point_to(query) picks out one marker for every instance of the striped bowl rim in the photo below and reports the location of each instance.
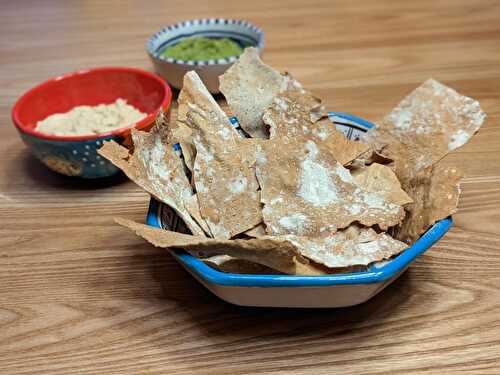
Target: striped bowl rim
(155, 53)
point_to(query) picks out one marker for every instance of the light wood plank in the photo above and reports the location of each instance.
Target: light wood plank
(80, 295)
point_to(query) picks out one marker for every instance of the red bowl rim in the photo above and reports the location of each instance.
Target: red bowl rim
(165, 104)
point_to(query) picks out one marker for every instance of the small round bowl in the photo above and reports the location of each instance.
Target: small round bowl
(77, 155)
(173, 70)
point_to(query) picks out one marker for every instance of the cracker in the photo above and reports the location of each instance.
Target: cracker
(249, 87)
(258, 231)
(271, 252)
(297, 113)
(306, 192)
(223, 176)
(226, 186)
(156, 168)
(378, 178)
(193, 208)
(434, 109)
(229, 264)
(354, 246)
(435, 192)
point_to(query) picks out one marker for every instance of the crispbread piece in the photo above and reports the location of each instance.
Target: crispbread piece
(156, 168)
(297, 113)
(249, 87)
(306, 192)
(434, 109)
(354, 246)
(435, 192)
(225, 182)
(258, 231)
(229, 264)
(275, 253)
(378, 178)
(193, 207)
(429, 123)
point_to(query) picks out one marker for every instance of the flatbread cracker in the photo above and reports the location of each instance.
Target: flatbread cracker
(380, 179)
(438, 110)
(225, 181)
(229, 264)
(435, 192)
(183, 135)
(297, 113)
(306, 192)
(226, 186)
(355, 246)
(156, 168)
(193, 207)
(426, 125)
(258, 231)
(274, 253)
(249, 87)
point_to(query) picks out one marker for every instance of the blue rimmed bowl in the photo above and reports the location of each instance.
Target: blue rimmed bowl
(173, 70)
(336, 290)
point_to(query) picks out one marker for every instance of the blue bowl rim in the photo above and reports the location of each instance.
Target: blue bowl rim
(373, 275)
(185, 24)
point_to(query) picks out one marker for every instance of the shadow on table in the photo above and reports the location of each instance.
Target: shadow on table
(230, 323)
(40, 174)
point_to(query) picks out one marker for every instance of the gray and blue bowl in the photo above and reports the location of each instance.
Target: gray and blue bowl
(173, 70)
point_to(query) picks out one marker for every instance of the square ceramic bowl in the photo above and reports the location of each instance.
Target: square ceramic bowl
(173, 70)
(338, 290)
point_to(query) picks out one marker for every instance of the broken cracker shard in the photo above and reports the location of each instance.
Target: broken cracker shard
(426, 125)
(226, 185)
(285, 254)
(250, 87)
(275, 253)
(156, 168)
(306, 192)
(297, 113)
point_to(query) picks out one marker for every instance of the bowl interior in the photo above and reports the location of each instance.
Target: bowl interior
(141, 89)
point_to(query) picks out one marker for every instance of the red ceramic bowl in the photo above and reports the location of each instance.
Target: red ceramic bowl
(145, 91)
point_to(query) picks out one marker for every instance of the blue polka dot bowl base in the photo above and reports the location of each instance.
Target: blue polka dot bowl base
(173, 70)
(72, 158)
(335, 290)
(76, 155)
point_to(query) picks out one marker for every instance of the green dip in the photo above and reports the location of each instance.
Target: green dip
(201, 48)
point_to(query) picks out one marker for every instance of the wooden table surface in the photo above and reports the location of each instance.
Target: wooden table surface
(80, 294)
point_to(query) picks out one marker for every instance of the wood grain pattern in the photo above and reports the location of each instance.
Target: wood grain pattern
(80, 295)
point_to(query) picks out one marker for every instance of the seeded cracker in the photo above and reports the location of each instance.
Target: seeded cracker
(156, 168)
(225, 182)
(249, 87)
(274, 253)
(296, 113)
(306, 192)
(354, 246)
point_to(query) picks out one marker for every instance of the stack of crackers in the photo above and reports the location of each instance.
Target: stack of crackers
(290, 193)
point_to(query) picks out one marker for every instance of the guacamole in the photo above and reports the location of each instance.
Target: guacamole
(201, 48)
